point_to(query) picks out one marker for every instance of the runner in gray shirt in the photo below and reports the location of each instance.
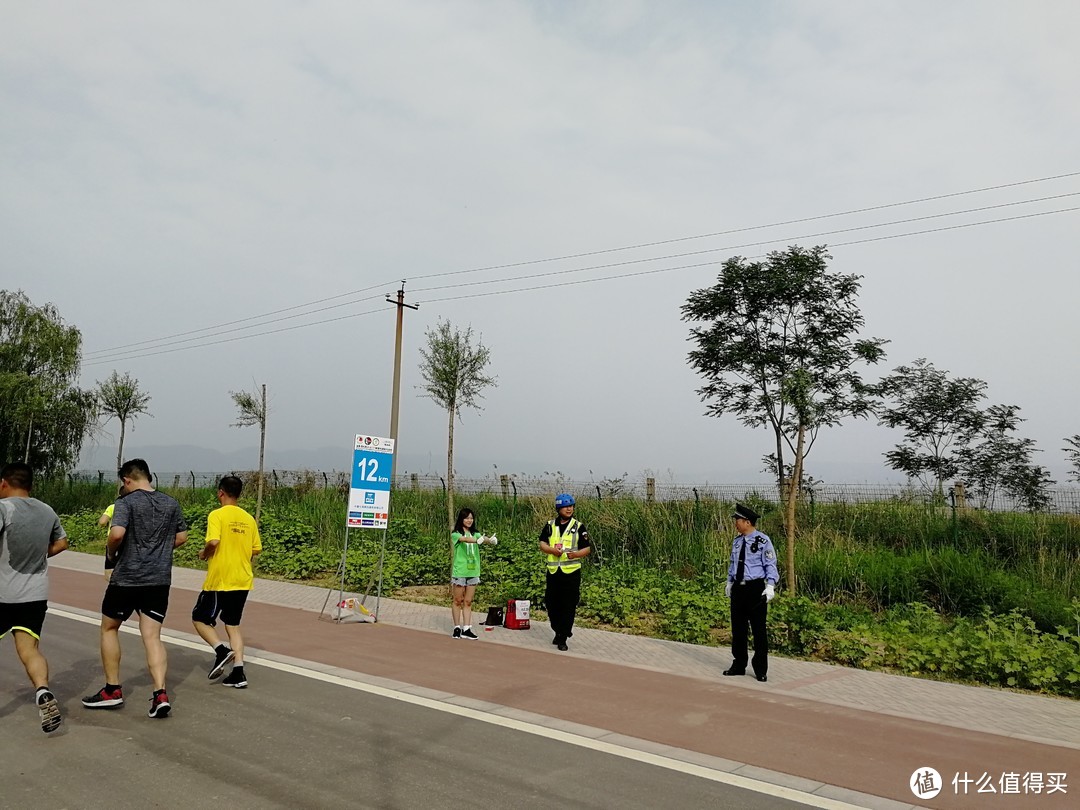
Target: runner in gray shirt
(147, 525)
(30, 532)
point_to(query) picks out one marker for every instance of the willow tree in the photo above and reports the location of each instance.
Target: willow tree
(119, 397)
(778, 348)
(453, 371)
(44, 415)
(253, 411)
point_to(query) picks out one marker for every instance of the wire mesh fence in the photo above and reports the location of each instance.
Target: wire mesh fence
(1060, 500)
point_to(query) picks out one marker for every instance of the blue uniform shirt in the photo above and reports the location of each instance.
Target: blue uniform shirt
(760, 560)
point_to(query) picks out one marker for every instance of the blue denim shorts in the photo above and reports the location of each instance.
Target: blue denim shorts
(463, 581)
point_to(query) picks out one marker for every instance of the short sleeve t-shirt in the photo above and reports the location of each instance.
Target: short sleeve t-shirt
(27, 527)
(152, 520)
(229, 569)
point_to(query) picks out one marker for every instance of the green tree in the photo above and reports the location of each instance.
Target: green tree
(939, 417)
(453, 372)
(995, 461)
(779, 350)
(119, 397)
(44, 415)
(253, 411)
(1072, 454)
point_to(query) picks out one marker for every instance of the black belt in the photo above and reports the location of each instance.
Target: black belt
(748, 581)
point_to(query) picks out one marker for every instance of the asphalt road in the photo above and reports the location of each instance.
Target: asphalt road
(293, 741)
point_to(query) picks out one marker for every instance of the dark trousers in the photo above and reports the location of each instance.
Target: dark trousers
(561, 597)
(749, 610)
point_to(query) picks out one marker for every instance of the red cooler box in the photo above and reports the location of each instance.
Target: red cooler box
(517, 614)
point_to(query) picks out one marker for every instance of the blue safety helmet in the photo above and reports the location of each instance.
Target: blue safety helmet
(563, 500)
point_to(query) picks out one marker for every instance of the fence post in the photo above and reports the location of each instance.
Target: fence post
(504, 482)
(100, 478)
(650, 489)
(192, 478)
(176, 481)
(325, 482)
(952, 502)
(513, 508)
(415, 479)
(599, 497)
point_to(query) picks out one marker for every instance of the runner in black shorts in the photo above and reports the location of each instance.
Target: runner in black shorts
(232, 541)
(147, 525)
(30, 533)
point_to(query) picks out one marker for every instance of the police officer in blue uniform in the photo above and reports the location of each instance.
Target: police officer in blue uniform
(751, 585)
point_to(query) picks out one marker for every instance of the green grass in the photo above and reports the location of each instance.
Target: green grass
(984, 597)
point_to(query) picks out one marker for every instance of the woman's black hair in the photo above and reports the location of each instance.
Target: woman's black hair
(459, 525)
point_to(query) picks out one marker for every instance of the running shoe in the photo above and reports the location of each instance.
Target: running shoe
(222, 658)
(159, 705)
(457, 632)
(236, 679)
(469, 634)
(105, 699)
(49, 710)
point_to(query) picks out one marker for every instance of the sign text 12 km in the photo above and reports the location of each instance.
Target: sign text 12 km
(369, 492)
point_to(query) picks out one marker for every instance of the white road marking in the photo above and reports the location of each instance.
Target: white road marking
(754, 785)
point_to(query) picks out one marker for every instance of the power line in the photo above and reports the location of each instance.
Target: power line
(97, 354)
(139, 354)
(105, 355)
(726, 248)
(761, 256)
(251, 318)
(751, 228)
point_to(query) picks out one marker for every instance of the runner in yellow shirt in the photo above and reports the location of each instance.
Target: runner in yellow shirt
(232, 541)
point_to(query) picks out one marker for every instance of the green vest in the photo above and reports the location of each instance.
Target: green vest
(466, 558)
(569, 538)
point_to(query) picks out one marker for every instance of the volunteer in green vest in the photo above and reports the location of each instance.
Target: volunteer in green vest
(564, 542)
(465, 574)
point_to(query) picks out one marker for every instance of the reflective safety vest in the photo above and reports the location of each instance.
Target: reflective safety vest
(569, 538)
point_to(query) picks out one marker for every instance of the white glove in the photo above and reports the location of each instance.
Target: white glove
(481, 540)
(727, 589)
(770, 591)
(493, 540)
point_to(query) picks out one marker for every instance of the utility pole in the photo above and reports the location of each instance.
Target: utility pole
(400, 303)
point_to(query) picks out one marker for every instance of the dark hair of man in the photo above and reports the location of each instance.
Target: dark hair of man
(135, 468)
(231, 485)
(463, 513)
(18, 475)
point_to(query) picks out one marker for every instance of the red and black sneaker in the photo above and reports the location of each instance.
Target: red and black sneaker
(159, 705)
(106, 698)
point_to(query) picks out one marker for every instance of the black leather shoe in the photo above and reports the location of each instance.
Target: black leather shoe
(762, 678)
(563, 647)
(557, 640)
(734, 671)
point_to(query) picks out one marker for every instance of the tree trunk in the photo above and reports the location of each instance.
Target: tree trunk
(789, 509)
(120, 447)
(29, 433)
(779, 462)
(262, 455)
(450, 469)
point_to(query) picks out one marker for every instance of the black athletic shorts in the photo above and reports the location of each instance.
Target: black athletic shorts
(25, 616)
(121, 601)
(229, 605)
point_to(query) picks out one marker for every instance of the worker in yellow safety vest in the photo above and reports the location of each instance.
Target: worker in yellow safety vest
(564, 542)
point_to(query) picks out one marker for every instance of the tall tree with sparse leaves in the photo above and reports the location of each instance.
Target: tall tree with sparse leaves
(939, 416)
(1072, 454)
(778, 348)
(253, 411)
(119, 397)
(453, 370)
(44, 415)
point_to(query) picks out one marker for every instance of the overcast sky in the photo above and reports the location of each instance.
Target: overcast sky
(173, 167)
